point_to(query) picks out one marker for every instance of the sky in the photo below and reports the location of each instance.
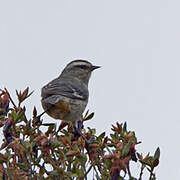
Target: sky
(137, 44)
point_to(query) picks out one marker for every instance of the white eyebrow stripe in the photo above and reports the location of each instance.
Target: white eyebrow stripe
(80, 63)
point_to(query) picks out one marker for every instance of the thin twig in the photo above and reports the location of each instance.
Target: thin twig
(151, 174)
(39, 116)
(15, 107)
(141, 173)
(129, 172)
(88, 170)
(95, 170)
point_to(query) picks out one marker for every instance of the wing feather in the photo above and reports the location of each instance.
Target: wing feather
(66, 87)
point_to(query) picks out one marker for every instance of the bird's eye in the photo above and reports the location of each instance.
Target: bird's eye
(82, 66)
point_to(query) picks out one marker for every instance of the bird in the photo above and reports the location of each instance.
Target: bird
(66, 97)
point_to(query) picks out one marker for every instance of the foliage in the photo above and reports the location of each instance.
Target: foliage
(30, 152)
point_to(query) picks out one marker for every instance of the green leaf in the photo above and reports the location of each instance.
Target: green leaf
(22, 165)
(82, 158)
(89, 117)
(92, 131)
(20, 115)
(7, 154)
(79, 172)
(106, 146)
(17, 116)
(3, 158)
(157, 153)
(27, 146)
(75, 162)
(86, 114)
(41, 171)
(126, 148)
(36, 161)
(115, 136)
(65, 132)
(14, 115)
(125, 127)
(55, 143)
(100, 137)
(54, 173)
(108, 163)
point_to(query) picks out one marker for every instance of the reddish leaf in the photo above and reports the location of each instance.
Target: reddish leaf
(34, 112)
(4, 103)
(94, 145)
(72, 153)
(109, 156)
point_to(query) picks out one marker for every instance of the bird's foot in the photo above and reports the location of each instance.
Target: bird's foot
(77, 131)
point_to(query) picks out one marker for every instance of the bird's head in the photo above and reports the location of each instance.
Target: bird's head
(80, 69)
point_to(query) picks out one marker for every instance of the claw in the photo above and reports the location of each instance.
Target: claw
(77, 131)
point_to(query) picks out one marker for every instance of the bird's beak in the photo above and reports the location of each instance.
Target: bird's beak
(94, 67)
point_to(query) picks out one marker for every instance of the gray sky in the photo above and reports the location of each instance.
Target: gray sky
(137, 44)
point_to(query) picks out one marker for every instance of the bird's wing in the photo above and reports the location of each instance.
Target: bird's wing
(65, 87)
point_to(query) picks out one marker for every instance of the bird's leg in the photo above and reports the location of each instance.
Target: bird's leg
(80, 126)
(39, 116)
(78, 132)
(77, 128)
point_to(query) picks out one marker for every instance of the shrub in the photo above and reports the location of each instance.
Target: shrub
(28, 151)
